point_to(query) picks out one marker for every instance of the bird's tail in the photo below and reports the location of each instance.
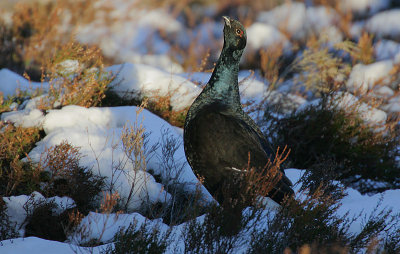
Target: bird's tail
(281, 190)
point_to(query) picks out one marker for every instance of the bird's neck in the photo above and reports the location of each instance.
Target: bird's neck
(223, 84)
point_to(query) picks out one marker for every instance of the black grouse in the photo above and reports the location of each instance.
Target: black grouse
(219, 136)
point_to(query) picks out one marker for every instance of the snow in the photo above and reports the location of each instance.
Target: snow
(150, 81)
(135, 33)
(206, 34)
(386, 49)
(251, 87)
(19, 207)
(393, 105)
(354, 203)
(34, 245)
(347, 101)
(28, 115)
(300, 21)
(69, 66)
(368, 113)
(357, 28)
(10, 82)
(24, 118)
(284, 102)
(363, 7)
(385, 24)
(104, 226)
(289, 16)
(383, 92)
(263, 36)
(364, 77)
(97, 132)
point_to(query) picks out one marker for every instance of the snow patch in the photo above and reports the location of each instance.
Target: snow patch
(393, 105)
(385, 24)
(134, 34)
(34, 245)
(263, 36)
(105, 226)
(19, 207)
(97, 132)
(24, 118)
(299, 21)
(133, 79)
(386, 49)
(363, 7)
(10, 82)
(364, 77)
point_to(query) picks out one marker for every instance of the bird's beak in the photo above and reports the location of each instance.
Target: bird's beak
(227, 21)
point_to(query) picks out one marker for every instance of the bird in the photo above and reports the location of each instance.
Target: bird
(219, 137)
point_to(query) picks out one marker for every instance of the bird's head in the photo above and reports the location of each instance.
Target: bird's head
(234, 34)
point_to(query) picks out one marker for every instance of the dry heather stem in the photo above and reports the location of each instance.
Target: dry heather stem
(262, 182)
(109, 202)
(270, 64)
(133, 140)
(253, 183)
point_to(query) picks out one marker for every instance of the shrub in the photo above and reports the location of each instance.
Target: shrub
(57, 173)
(44, 223)
(312, 220)
(17, 177)
(11, 102)
(161, 106)
(391, 243)
(335, 143)
(62, 176)
(210, 235)
(66, 178)
(320, 69)
(184, 205)
(146, 239)
(313, 223)
(76, 77)
(224, 225)
(8, 229)
(39, 45)
(37, 31)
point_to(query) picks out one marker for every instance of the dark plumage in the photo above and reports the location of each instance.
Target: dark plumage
(218, 134)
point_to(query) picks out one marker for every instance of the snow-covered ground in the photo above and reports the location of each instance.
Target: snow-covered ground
(97, 131)
(105, 226)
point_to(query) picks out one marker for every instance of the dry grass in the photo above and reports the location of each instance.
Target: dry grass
(161, 106)
(320, 70)
(39, 30)
(16, 177)
(76, 77)
(271, 63)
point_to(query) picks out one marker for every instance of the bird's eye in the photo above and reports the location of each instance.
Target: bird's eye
(238, 31)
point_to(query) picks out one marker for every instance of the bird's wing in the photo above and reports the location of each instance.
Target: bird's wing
(220, 142)
(224, 141)
(264, 143)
